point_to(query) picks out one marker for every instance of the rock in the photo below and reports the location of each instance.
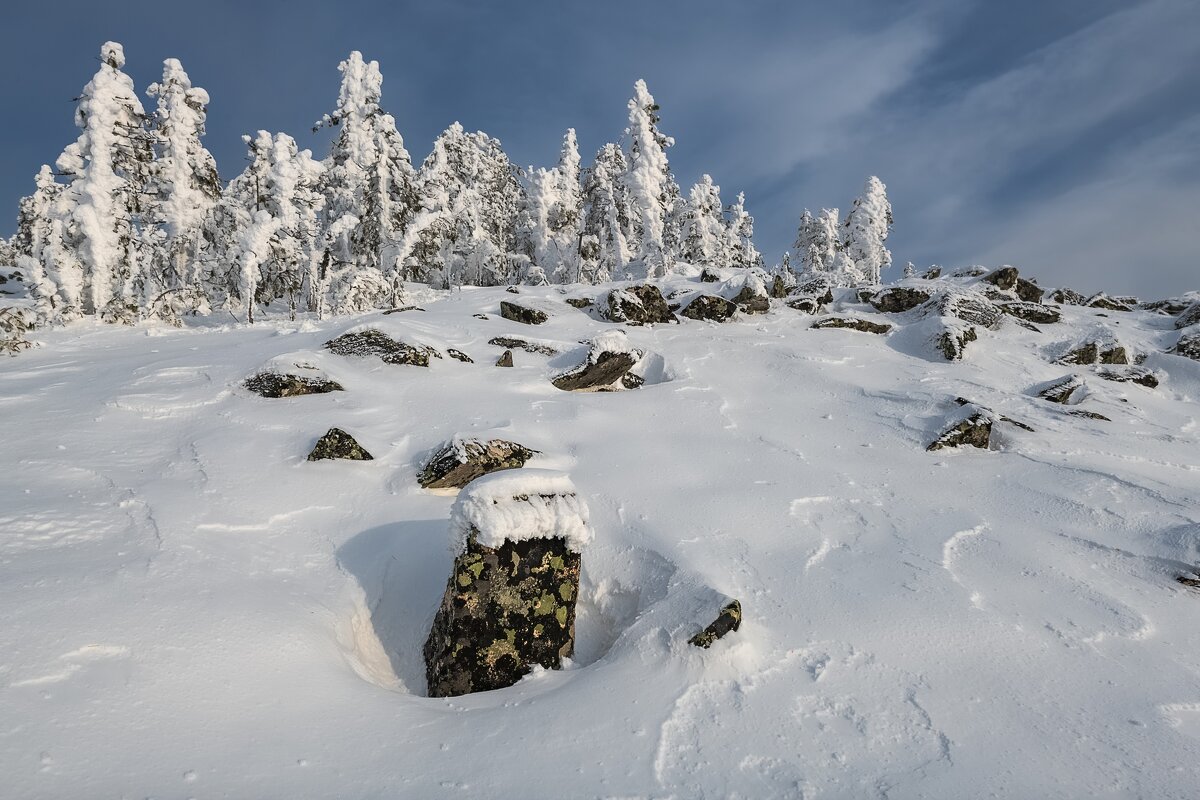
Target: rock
(372, 342)
(461, 461)
(1189, 581)
(1107, 303)
(1029, 291)
(815, 286)
(513, 290)
(1068, 297)
(708, 275)
(1095, 352)
(1189, 317)
(933, 273)
(728, 621)
(749, 301)
(401, 309)
(509, 604)
(1032, 312)
(974, 431)
(459, 355)
(480, 316)
(522, 314)
(638, 305)
(968, 306)
(1138, 375)
(274, 384)
(1172, 306)
(607, 367)
(898, 299)
(1067, 390)
(806, 305)
(710, 307)
(782, 285)
(1004, 278)
(336, 443)
(505, 359)
(513, 342)
(752, 294)
(1188, 345)
(973, 271)
(853, 323)
(580, 302)
(1079, 412)
(952, 342)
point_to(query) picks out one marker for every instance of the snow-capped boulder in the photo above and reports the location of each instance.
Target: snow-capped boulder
(710, 307)
(522, 314)
(509, 604)
(1067, 390)
(1067, 297)
(580, 302)
(278, 384)
(1103, 301)
(1095, 352)
(1031, 312)
(460, 461)
(898, 299)
(372, 342)
(727, 621)
(853, 324)
(967, 305)
(1004, 278)
(749, 291)
(336, 443)
(952, 339)
(1188, 344)
(1190, 317)
(14, 323)
(519, 343)
(638, 305)
(459, 355)
(1139, 375)
(505, 359)
(971, 426)
(608, 368)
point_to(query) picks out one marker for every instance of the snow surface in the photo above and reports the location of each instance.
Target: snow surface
(191, 609)
(514, 505)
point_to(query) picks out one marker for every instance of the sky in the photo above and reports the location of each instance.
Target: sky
(1060, 136)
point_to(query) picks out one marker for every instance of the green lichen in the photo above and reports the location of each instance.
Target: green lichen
(545, 605)
(560, 614)
(566, 591)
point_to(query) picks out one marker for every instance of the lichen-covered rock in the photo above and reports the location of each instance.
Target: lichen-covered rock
(1004, 278)
(513, 342)
(1101, 300)
(522, 314)
(373, 342)
(933, 273)
(1079, 412)
(898, 299)
(805, 305)
(1067, 390)
(728, 621)
(275, 384)
(1068, 297)
(509, 604)
(709, 275)
(1032, 312)
(1095, 352)
(459, 355)
(973, 431)
(638, 305)
(952, 342)
(710, 307)
(854, 324)
(402, 309)
(1138, 375)
(461, 461)
(750, 300)
(1188, 345)
(336, 443)
(1189, 317)
(782, 284)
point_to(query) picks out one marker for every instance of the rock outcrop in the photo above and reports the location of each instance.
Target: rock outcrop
(1095, 352)
(461, 461)
(509, 604)
(608, 367)
(972, 427)
(898, 299)
(459, 355)
(1107, 303)
(727, 621)
(336, 443)
(638, 305)
(710, 307)
(1189, 317)
(505, 359)
(1067, 390)
(276, 384)
(373, 342)
(1188, 345)
(1067, 297)
(853, 324)
(522, 314)
(515, 343)
(1032, 312)
(1138, 375)
(952, 341)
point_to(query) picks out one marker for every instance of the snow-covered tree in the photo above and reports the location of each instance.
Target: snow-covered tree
(652, 191)
(604, 248)
(550, 223)
(370, 195)
(469, 195)
(910, 270)
(182, 190)
(866, 229)
(52, 273)
(817, 241)
(102, 206)
(740, 233)
(705, 235)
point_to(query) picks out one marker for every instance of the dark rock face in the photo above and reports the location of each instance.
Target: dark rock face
(805, 305)
(1189, 317)
(1029, 291)
(933, 273)
(273, 384)
(751, 302)
(1032, 312)
(504, 611)
(339, 444)
(402, 309)
(1004, 278)
(505, 359)
(378, 343)
(1079, 412)
(580, 302)
(522, 314)
(728, 621)
(970, 307)
(899, 299)
(638, 305)
(953, 343)
(459, 355)
(974, 431)
(710, 307)
(1068, 297)
(1138, 375)
(781, 286)
(854, 324)
(459, 463)
(1064, 391)
(707, 275)
(1096, 353)
(1107, 303)
(1188, 345)
(609, 373)
(512, 342)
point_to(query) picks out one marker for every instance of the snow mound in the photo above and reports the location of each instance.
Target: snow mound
(515, 505)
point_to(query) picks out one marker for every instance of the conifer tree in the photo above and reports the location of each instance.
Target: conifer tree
(866, 229)
(817, 241)
(740, 234)
(705, 239)
(653, 193)
(38, 250)
(604, 248)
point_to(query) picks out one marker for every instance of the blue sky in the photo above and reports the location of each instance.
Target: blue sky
(1062, 136)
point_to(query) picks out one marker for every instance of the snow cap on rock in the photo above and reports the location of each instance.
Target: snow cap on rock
(514, 505)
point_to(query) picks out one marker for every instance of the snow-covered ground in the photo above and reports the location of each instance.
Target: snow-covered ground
(191, 609)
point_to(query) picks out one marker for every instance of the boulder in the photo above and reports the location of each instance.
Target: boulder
(1029, 291)
(782, 284)
(727, 621)
(1067, 390)
(522, 314)
(459, 355)
(514, 342)
(638, 305)
(1188, 345)
(953, 340)
(853, 323)
(1138, 375)
(1068, 297)
(275, 384)
(750, 291)
(709, 275)
(933, 273)
(509, 604)
(1079, 412)
(750, 301)
(898, 299)
(505, 359)
(972, 427)
(1095, 352)
(1190, 317)
(373, 342)
(969, 306)
(710, 307)
(336, 443)
(817, 287)
(607, 368)
(1101, 300)
(805, 305)
(461, 461)
(402, 309)
(580, 302)
(1031, 312)
(1004, 278)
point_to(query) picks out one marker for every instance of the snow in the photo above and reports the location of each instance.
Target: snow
(515, 505)
(193, 610)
